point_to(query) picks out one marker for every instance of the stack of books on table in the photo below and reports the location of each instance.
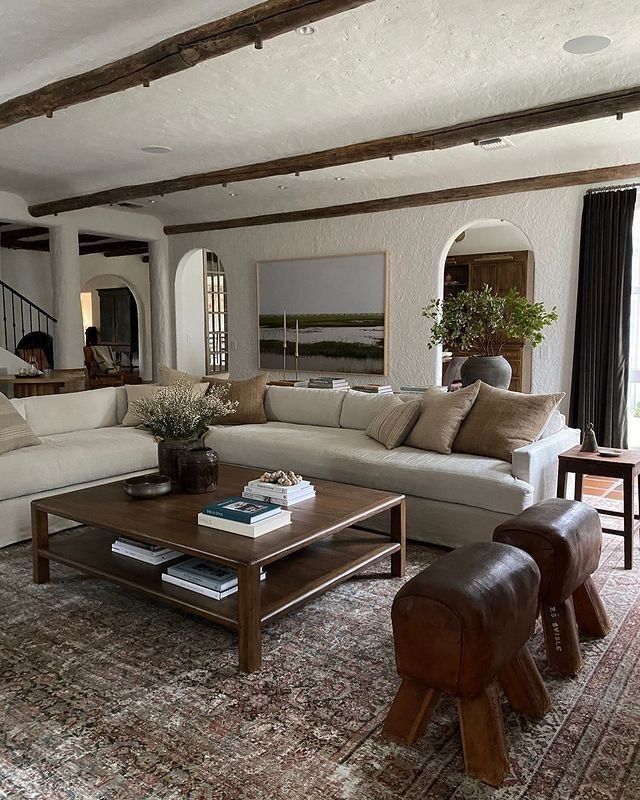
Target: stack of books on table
(284, 496)
(150, 553)
(328, 383)
(245, 516)
(414, 389)
(373, 388)
(204, 578)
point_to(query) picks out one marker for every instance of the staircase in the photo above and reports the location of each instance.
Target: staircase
(24, 326)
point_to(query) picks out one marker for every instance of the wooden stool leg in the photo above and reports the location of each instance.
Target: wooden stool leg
(482, 729)
(591, 614)
(561, 637)
(523, 685)
(410, 711)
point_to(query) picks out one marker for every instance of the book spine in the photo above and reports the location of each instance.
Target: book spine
(127, 548)
(201, 580)
(154, 560)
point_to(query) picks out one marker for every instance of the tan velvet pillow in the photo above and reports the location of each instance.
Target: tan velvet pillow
(393, 422)
(502, 421)
(250, 396)
(441, 417)
(168, 375)
(14, 431)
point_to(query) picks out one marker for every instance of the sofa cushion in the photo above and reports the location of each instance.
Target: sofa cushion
(359, 408)
(393, 422)
(250, 396)
(75, 411)
(350, 456)
(65, 459)
(502, 421)
(304, 406)
(441, 417)
(168, 375)
(14, 431)
(136, 392)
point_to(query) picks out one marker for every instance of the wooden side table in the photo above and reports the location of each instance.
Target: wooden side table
(625, 467)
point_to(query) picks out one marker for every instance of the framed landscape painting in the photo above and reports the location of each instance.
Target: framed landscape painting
(335, 310)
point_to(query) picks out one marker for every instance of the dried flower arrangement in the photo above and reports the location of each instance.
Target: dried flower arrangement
(179, 412)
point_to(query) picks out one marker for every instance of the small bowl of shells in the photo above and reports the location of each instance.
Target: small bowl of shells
(281, 477)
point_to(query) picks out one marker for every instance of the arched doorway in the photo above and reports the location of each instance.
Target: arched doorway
(494, 253)
(112, 304)
(202, 314)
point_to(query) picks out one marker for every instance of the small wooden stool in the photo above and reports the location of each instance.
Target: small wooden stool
(564, 537)
(461, 627)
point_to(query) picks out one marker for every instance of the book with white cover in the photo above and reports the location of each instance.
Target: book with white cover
(285, 502)
(194, 587)
(148, 558)
(279, 520)
(276, 489)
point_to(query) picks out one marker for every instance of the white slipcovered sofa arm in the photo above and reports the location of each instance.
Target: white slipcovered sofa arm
(537, 463)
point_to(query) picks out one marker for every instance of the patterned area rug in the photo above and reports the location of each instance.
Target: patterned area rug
(105, 695)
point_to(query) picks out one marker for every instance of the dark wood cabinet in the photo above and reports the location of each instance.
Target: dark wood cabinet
(119, 323)
(501, 272)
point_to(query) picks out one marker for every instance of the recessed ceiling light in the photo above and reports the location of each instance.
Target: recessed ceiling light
(339, 178)
(233, 194)
(155, 148)
(282, 187)
(583, 45)
(305, 30)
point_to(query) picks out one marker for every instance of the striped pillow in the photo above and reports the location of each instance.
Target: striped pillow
(14, 431)
(391, 425)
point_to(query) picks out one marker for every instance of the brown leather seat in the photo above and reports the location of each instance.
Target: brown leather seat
(459, 627)
(565, 539)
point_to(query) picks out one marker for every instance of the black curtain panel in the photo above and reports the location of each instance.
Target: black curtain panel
(601, 347)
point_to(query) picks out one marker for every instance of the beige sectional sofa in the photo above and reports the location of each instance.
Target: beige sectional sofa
(451, 499)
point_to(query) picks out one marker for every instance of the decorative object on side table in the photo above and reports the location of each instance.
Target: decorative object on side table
(179, 415)
(481, 323)
(589, 441)
(198, 470)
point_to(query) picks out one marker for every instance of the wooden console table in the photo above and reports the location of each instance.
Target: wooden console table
(32, 387)
(625, 467)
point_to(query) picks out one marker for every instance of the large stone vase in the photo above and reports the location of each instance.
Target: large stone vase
(494, 370)
(169, 451)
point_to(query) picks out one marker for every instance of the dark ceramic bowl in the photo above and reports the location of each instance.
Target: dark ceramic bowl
(144, 486)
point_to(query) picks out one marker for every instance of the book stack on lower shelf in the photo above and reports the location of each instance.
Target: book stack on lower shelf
(244, 516)
(204, 577)
(141, 551)
(283, 496)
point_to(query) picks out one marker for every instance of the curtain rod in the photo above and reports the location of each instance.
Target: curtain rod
(622, 187)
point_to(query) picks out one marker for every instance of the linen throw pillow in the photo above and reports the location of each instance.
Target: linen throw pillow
(14, 431)
(168, 376)
(502, 421)
(393, 422)
(250, 396)
(440, 419)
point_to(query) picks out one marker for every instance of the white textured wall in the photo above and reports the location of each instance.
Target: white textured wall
(494, 239)
(29, 273)
(417, 241)
(191, 355)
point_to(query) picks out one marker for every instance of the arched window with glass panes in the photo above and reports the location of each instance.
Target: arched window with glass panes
(216, 314)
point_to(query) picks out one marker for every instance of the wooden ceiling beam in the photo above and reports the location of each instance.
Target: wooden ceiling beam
(113, 245)
(251, 26)
(23, 233)
(18, 244)
(458, 193)
(127, 252)
(541, 117)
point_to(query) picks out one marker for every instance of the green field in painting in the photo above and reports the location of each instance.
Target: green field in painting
(328, 349)
(323, 320)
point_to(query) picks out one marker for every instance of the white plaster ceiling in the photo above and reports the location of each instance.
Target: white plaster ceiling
(387, 68)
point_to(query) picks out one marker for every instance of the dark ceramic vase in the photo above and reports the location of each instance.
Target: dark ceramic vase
(198, 469)
(169, 451)
(494, 370)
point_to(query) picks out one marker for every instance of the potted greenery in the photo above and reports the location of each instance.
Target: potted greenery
(480, 323)
(179, 415)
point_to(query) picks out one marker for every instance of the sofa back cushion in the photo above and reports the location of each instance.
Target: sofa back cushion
(359, 409)
(75, 411)
(304, 406)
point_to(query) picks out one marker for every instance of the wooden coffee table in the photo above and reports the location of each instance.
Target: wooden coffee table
(317, 551)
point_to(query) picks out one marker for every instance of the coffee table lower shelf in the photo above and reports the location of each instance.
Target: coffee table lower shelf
(290, 581)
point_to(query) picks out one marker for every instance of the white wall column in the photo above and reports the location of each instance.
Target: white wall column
(65, 268)
(160, 283)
